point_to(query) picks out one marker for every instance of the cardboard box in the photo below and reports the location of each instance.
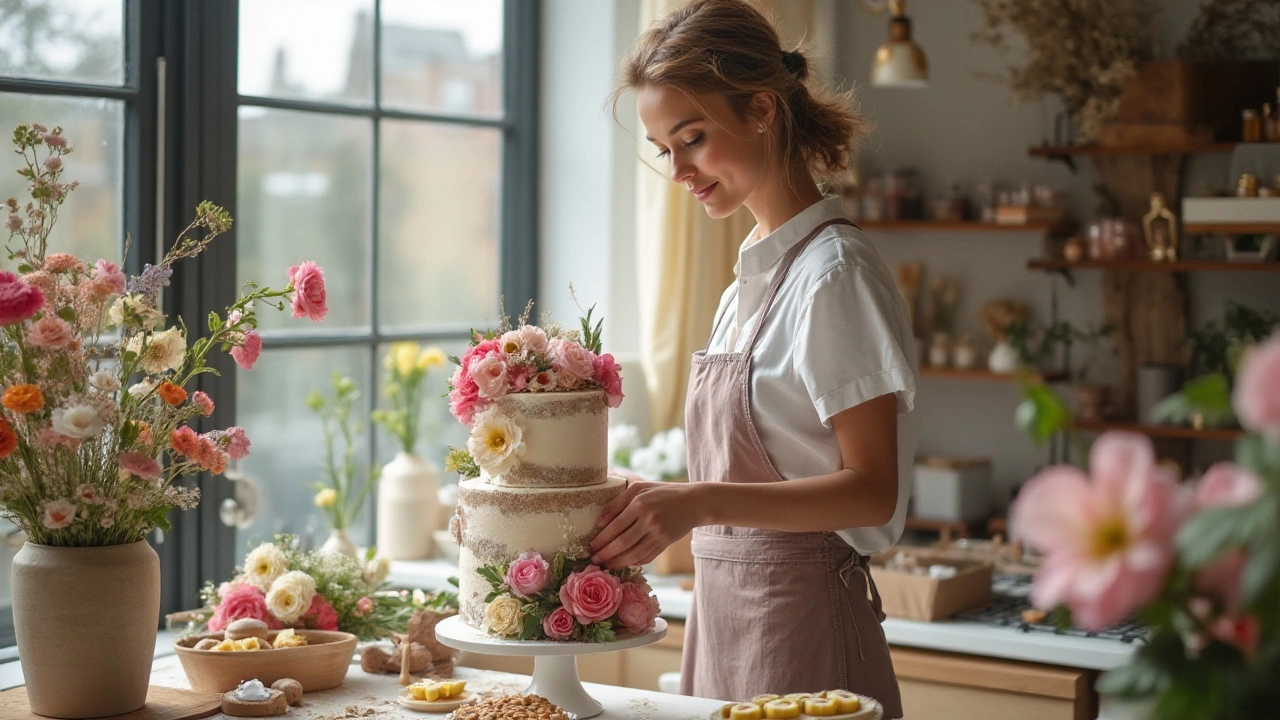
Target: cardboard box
(920, 597)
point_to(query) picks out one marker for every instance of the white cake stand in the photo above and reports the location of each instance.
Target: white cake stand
(555, 664)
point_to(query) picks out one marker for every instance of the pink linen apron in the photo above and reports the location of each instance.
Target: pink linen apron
(773, 612)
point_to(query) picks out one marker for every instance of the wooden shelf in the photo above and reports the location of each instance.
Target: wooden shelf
(1151, 266)
(1230, 228)
(987, 375)
(1052, 151)
(962, 226)
(1163, 431)
(945, 529)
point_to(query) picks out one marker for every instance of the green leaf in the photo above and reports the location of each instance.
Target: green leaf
(1260, 456)
(25, 268)
(557, 568)
(1147, 674)
(67, 313)
(1210, 533)
(1042, 413)
(531, 628)
(494, 595)
(1261, 570)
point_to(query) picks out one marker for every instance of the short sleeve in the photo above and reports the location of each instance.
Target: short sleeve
(853, 342)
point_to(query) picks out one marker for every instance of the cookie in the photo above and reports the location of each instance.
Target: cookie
(246, 628)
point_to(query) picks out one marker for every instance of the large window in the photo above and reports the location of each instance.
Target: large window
(392, 141)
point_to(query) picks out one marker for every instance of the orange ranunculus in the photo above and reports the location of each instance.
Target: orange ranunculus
(23, 398)
(185, 442)
(144, 431)
(171, 393)
(8, 439)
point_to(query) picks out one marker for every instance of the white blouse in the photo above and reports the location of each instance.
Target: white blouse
(837, 336)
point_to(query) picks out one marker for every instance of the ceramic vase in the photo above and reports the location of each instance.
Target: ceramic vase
(1003, 358)
(407, 508)
(86, 621)
(339, 543)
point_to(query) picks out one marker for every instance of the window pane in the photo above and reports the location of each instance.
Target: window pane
(301, 49)
(303, 193)
(90, 223)
(66, 40)
(440, 430)
(286, 459)
(439, 225)
(443, 56)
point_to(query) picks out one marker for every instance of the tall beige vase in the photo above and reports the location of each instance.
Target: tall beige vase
(86, 622)
(407, 503)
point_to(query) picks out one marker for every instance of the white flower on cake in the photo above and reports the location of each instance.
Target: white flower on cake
(503, 616)
(496, 442)
(264, 565)
(164, 350)
(290, 595)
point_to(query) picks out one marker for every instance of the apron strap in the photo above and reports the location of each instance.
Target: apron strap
(859, 563)
(780, 275)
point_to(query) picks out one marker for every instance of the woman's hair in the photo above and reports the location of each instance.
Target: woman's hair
(728, 47)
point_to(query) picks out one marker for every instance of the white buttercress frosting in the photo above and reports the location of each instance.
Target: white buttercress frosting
(252, 691)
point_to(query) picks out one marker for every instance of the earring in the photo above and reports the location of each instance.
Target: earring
(760, 128)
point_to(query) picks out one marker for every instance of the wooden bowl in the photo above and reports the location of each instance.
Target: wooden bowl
(320, 665)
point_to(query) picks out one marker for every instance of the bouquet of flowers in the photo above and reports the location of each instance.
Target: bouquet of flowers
(94, 383)
(339, 498)
(525, 358)
(566, 600)
(664, 458)
(318, 591)
(406, 366)
(1201, 567)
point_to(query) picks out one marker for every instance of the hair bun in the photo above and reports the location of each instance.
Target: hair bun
(795, 63)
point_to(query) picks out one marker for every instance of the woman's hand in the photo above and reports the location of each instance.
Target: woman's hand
(643, 521)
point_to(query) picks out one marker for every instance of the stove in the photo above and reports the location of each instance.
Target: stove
(1009, 598)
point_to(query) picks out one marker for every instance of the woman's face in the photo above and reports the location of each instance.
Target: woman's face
(709, 151)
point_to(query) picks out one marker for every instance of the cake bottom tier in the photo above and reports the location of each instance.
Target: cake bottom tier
(494, 525)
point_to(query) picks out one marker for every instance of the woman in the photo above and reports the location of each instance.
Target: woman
(797, 415)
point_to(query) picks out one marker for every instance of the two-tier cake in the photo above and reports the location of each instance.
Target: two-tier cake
(537, 404)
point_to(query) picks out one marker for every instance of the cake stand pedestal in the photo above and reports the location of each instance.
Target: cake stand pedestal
(555, 664)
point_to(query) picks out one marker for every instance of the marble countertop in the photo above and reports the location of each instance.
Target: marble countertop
(948, 636)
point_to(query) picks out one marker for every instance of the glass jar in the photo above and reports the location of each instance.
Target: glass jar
(1248, 185)
(873, 201)
(1250, 125)
(1099, 249)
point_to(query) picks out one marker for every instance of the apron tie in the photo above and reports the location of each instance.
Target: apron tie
(858, 563)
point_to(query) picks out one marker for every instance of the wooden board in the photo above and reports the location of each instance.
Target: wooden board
(162, 704)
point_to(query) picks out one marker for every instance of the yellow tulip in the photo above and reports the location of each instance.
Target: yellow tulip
(326, 498)
(402, 357)
(432, 357)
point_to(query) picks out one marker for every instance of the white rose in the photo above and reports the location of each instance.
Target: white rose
(264, 565)
(151, 318)
(105, 381)
(142, 388)
(376, 570)
(622, 438)
(647, 463)
(496, 442)
(164, 350)
(78, 421)
(290, 596)
(503, 616)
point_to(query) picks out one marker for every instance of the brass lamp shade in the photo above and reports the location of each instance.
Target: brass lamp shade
(900, 62)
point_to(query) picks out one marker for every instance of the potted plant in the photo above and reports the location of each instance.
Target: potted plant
(407, 503)
(339, 496)
(96, 429)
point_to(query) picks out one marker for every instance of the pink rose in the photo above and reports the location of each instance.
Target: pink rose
(591, 595)
(1107, 536)
(480, 350)
(490, 376)
(1243, 631)
(566, 380)
(18, 301)
(638, 608)
(1227, 485)
(308, 291)
(572, 358)
(518, 377)
(111, 276)
(558, 625)
(202, 400)
(608, 374)
(247, 353)
(50, 333)
(533, 338)
(321, 615)
(1257, 393)
(140, 464)
(528, 575)
(464, 398)
(237, 443)
(239, 601)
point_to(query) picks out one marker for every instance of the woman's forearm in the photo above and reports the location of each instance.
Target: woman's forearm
(840, 500)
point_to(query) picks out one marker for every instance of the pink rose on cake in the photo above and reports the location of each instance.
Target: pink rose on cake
(528, 575)
(490, 376)
(559, 624)
(638, 609)
(608, 374)
(591, 595)
(529, 339)
(572, 362)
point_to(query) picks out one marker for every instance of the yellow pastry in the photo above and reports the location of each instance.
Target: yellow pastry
(227, 646)
(453, 688)
(288, 638)
(798, 697)
(762, 699)
(784, 709)
(724, 711)
(745, 711)
(427, 692)
(846, 702)
(821, 707)
(249, 643)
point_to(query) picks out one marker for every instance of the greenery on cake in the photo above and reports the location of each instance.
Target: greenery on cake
(569, 600)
